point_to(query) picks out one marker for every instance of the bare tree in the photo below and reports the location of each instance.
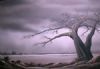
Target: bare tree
(74, 23)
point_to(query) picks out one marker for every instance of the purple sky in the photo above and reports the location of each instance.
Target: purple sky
(22, 17)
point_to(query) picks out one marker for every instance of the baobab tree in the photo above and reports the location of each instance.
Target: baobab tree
(73, 23)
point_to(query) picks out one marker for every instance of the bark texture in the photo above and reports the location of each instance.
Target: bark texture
(83, 49)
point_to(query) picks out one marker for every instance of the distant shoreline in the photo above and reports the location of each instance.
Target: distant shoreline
(42, 53)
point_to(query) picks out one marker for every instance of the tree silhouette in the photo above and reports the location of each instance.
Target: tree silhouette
(73, 23)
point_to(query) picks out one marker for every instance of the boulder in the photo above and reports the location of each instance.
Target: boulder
(95, 60)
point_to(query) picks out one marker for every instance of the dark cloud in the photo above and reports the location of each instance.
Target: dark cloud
(15, 27)
(95, 2)
(11, 16)
(11, 2)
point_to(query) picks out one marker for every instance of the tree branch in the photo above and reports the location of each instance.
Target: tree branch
(79, 23)
(50, 29)
(86, 30)
(51, 39)
(88, 42)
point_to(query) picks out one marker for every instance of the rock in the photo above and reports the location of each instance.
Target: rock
(83, 66)
(36, 68)
(95, 66)
(17, 66)
(95, 60)
(58, 65)
(88, 66)
(8, 65)
(4, 65)
(49, 65)
(80, 62)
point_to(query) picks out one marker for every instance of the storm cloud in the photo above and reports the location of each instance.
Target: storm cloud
(21, 17)
(11, 2)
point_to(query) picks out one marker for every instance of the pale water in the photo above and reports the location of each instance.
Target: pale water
(44, 58)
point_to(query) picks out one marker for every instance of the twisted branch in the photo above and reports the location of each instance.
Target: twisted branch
(47, 30)
(51, 39)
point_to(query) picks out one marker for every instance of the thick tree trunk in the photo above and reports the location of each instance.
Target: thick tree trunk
(81, 50)
(88, 42)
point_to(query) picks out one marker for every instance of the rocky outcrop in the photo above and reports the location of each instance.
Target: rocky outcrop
(8, 65)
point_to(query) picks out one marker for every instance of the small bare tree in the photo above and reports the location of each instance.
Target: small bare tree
(74, 23)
